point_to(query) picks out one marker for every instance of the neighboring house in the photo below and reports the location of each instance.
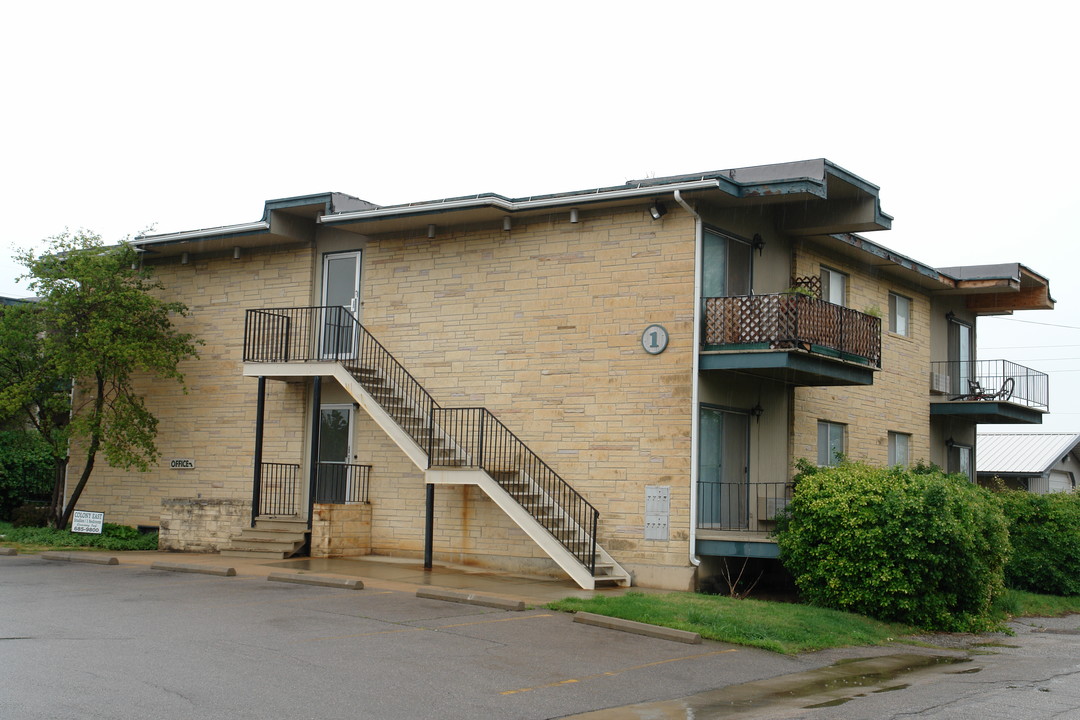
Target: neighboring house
(636, 366)
(1037, 462)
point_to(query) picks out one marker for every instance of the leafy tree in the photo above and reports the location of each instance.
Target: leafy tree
(98, 322)
(1045, 535)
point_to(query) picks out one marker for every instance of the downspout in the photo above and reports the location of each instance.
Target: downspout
(694, 414)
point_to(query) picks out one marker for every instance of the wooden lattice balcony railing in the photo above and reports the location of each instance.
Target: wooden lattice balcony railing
(791, 321)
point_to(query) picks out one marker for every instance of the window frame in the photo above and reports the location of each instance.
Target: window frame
(894, 445)
(894, 314)
(827, 274)
(831, 454)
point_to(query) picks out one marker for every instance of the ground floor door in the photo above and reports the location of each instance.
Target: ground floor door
(335, 454)
(723, 470)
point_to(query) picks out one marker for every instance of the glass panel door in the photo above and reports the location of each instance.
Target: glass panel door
(961, 358)
(723, 470)
(335, 451)
(341, 298)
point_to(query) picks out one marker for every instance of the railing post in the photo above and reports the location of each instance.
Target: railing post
(256, 484)
(480, 451)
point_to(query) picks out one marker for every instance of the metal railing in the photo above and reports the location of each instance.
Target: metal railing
(342, 483)
(741, 505)
(452, 437)
(279, 489)
(792, 321)
(1001, 380)
(478, 439)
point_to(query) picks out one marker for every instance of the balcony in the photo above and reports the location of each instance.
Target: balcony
(989, 391)
(792, 338)
(737, 519)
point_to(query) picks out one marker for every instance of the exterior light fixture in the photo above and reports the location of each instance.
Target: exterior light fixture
(506, 223)
(430, 231)
(184, 259)
(236, 253)
(573, 215)
(757, 411)
(658, 210)
(759, 243)
(950, 316)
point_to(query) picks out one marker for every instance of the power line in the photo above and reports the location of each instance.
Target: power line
(1023, 347)
(1033, 322)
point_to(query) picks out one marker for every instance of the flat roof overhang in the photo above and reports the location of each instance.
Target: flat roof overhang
(988, 412)
(794, 367)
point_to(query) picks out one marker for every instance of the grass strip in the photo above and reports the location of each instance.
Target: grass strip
(113, 537)
(779, 627)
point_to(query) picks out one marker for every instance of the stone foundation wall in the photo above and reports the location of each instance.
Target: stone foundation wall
(341, 530)
(201, 524)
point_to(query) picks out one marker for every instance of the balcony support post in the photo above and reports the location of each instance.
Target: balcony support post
(256, 483)
(313, 468)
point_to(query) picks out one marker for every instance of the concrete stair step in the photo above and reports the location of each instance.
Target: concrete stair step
(262, 554)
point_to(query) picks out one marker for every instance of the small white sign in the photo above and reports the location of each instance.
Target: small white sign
(182, 464)
(87, 522)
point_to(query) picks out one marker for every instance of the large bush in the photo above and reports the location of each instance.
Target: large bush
(1045, 535)
(26, 470)
(911, 546)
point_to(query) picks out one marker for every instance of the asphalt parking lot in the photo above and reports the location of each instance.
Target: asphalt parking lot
(128, 641)
(86, 641)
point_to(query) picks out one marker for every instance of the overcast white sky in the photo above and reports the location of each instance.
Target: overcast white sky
(119, 116)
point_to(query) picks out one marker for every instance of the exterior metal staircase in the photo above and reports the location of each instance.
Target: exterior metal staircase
(451, 445)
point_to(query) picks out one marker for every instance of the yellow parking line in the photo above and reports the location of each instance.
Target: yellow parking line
(613, 673)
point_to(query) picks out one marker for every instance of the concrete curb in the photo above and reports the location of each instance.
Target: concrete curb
(630, 626)
(194, 568)
(471, 599)
(321, 580)
(8, 551)
(81, 558)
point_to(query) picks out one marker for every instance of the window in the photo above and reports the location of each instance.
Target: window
(726, 266)
(899, 444)
(833, 286)
(899, 314)
(960, 461)
(830, 442)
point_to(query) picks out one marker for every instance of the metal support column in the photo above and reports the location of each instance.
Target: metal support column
(256, 484)
(313, 470)
(429, 525)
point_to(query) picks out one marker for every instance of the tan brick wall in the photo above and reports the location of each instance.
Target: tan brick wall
(897, 401)
(214, 422)
(542, 325)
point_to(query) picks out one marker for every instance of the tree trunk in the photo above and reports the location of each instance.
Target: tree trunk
(91, 453)
(56, 508)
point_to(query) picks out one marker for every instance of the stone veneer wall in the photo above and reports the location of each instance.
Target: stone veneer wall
(201, 525)
(341, 530)
(542, 325)
(213, 423)
(897, 401)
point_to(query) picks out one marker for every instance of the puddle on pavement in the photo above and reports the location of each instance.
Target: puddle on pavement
(829, 686)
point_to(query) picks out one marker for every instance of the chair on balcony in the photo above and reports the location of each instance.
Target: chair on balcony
(977, 392)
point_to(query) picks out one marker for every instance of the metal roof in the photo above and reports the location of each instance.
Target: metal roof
(1022, 453)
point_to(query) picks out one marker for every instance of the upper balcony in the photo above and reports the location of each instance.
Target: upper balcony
(793, 338)
(989, 391)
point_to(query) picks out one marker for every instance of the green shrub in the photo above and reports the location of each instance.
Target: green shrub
(1045, 535)
(904, 545)
(112, 537)
(26, 470)
(30, 516)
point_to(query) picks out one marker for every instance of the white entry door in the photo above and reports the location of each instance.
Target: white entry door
(341, 300)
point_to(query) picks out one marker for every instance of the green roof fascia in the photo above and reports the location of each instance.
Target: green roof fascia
(789, 360)
(880, 251)
(1001, 412)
